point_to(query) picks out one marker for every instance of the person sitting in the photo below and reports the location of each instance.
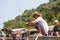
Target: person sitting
(56, 28)
(39, 23)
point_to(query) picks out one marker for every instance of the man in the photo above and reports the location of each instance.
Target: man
(56, 28)
(40, 24)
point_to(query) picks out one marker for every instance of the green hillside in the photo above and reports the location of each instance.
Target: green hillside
(49, 11)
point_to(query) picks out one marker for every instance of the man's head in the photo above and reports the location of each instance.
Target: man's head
(36, 15)
(56, 22)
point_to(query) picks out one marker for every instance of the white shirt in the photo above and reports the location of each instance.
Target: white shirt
(44, 23)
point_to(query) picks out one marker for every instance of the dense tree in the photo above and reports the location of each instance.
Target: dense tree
(49, 11)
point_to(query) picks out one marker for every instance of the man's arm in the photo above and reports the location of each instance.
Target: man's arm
(55, 31)
(31, 23)
(57, 34)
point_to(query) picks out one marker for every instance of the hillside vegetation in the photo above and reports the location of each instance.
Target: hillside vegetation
(50, 11)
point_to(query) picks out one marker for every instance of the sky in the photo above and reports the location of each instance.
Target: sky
(9, 9)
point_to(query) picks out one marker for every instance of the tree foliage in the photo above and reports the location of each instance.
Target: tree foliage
(49, 11)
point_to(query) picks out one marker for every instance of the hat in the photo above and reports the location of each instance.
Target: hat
(36, 14)
(56, 21)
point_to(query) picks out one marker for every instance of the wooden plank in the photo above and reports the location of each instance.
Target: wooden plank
(44, 38)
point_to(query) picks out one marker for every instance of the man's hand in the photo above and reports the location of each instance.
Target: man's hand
(29, 24)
